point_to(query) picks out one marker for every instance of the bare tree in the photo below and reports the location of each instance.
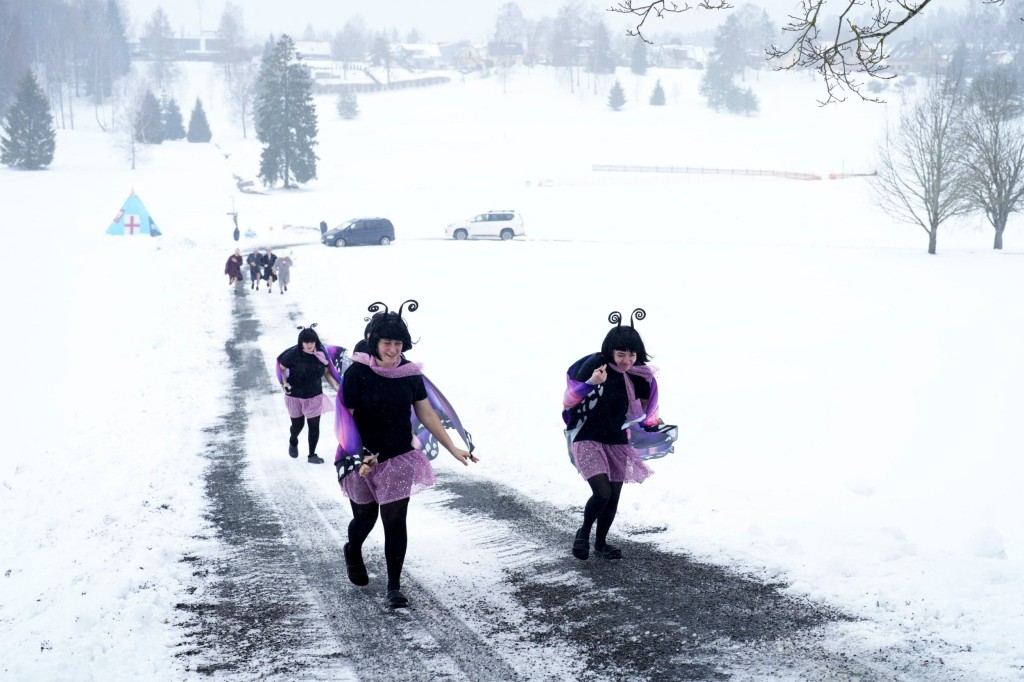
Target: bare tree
(840, 47)
(921, 176)
(352, 43)
(537, 34)
(509, 30)
(994, 139)
(127, 99)
(232, 31)
(242, 92)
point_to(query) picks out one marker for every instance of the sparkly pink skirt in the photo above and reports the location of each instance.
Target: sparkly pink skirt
(621, 463)
(392, 480)
(308, 407)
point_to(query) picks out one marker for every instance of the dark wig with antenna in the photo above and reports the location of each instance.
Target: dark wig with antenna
(624, 338)
(307, 335)
(387, 324)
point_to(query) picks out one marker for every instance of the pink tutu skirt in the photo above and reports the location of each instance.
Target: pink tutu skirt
(621, 463)
(308, 407)
(392, 480)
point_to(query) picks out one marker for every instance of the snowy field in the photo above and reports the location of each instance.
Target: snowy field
(849, 407)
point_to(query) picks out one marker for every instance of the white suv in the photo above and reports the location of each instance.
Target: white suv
(503, 224)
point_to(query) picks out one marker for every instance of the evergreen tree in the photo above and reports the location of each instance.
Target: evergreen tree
(198, 126)
(639, 62)
(616, 98)
(348, 108)
(158, 42)
(721, 92)
(30, 139)
(286, 118)
(604, 59)
(729, 46)
(716, 84)
(149, 120)
(265, 60)
(658, 96)
(174, 125)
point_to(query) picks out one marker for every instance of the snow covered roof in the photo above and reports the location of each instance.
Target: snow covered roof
(422, 49)
(313, 49)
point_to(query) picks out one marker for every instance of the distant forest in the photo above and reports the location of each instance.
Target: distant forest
(79, 49)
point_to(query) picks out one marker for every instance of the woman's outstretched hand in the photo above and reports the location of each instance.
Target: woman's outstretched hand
(464, 456)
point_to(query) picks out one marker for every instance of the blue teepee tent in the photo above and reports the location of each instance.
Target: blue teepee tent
(133, 218)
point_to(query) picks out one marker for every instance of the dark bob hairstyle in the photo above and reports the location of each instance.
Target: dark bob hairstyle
(389, 325)
(307, 335)
(627, 339)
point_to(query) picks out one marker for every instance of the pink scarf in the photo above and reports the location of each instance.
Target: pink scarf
(635, 411)
(407, 370)
(319, 355)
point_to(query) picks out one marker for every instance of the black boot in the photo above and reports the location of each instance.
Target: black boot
(356, 568)
(581, 545)
(396, 600)
(607, 552)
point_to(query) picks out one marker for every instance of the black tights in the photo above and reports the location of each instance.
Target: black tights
(396, 539)
(313, 435)
(601, 507)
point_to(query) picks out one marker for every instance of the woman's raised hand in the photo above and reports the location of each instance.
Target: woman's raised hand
(599, 376)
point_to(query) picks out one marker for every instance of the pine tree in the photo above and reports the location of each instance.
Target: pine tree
(174, 125)
(604, 57)
(149, 121)
(716, 84)
(286, 118)
(616, 98)
(658, 96)
(639, 63)
(729, 51)
(258, 83)
(30, 139)
(348, 107)
(198, 127)
(721, 92)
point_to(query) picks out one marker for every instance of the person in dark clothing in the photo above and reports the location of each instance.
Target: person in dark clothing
(268, 261)
(303, 367)
(253, 261)
(323, 227)
(615, 385)
(233, 268)
(379, 390)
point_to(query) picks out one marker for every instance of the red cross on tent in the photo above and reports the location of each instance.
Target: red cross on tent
(133, 219)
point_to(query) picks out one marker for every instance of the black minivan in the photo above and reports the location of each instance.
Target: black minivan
(360, 231)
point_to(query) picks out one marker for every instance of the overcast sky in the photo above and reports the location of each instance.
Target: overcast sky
(439, 20)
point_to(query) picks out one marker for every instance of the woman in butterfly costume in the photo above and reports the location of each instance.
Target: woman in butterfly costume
(610, 409)
(383, 400)
(301, 371)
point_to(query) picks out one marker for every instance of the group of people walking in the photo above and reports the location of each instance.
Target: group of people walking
(263, 267)
(384, 404)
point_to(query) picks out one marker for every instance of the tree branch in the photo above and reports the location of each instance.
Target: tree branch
(850, 49)
(643, 10)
